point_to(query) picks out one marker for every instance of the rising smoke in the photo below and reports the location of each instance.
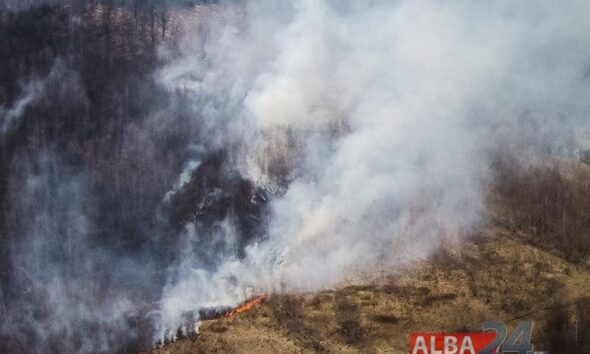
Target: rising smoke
(373, 124)
(299, 144)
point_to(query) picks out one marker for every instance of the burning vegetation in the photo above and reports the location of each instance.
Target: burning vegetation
(246, 306)
(390, 166)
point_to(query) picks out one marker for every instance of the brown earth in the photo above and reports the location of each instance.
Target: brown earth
(495, 276)
(506, 272)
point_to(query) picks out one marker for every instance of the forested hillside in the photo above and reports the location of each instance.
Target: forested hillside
(90, 144)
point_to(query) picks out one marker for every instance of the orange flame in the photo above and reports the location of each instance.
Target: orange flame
(246, 306)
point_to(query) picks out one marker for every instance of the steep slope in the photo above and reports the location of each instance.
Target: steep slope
(495, 276)
(508, 273)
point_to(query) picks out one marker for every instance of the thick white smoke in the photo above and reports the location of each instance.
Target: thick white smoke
(373, 122)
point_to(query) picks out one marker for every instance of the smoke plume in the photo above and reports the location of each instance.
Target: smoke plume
(283, 146)
(372, 125)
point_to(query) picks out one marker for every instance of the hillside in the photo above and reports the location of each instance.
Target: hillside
(502, 272)
(364, 170)
(495, 277)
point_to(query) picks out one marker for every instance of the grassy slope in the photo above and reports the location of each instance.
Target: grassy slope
(494, 276)
(531, 262)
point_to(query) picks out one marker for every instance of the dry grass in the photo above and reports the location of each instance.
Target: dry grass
(530, 263)
(502, 277)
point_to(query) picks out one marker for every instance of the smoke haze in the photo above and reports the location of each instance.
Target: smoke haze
(276, 146)
(376, 122)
